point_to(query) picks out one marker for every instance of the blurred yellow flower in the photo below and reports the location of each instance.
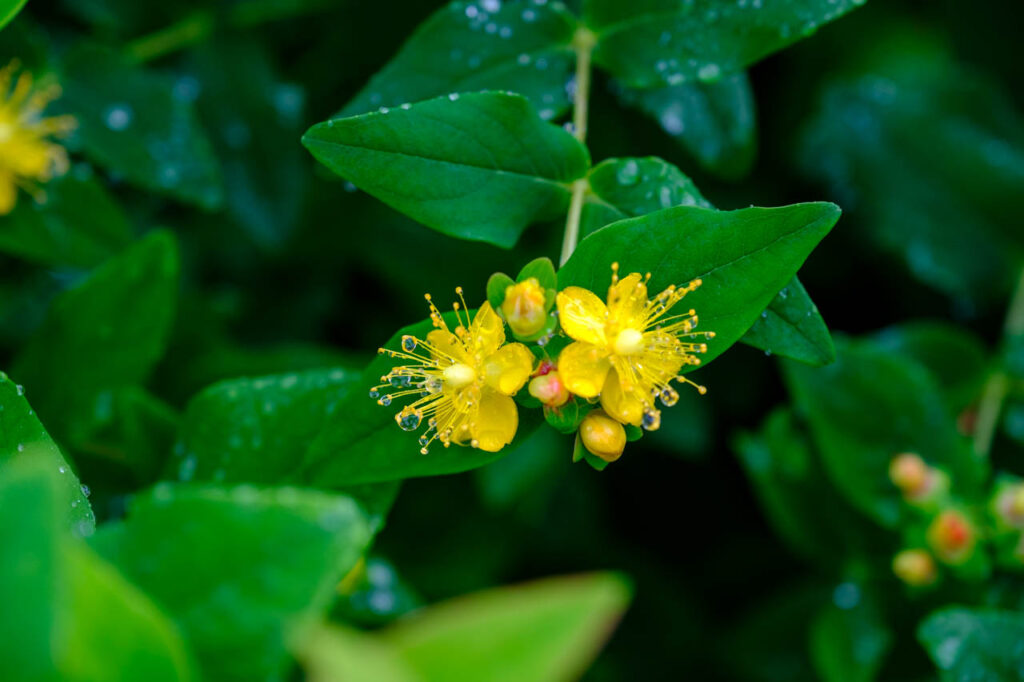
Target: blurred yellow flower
(628, 351)
(463, 379)
(27, 155)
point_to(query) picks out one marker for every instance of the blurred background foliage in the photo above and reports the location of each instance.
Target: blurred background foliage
(747, 562)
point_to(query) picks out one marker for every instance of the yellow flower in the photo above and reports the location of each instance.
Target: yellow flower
(27, 156)
(602, 436)
(627, 351)
(463, 380)
(524, 308)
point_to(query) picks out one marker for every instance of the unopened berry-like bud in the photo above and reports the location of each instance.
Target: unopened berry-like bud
(549, 389)
(915, 567)
(910, 474)
(602, 436)
(524, 307)
(952, 537)
(1009, 505)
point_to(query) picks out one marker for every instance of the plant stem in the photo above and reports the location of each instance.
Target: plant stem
(583, 42)
(998, 385)
(191, 30)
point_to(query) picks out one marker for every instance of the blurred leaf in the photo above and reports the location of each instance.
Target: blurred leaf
(714, 122)
(543, 631)
(379, 596)
(22, 438)
(869, 406)
(516, 46)
(919, 147)
(78, 225)
(955, 356)
(138, 126)
(135, 430)
(795, 495)
(480, 166)
(744, 257)
(9, 9)
(647, 43)
(621, 188)
(257, 563)
(975, 644)
(850, 644)
(335, 654)
(68, 615)
(103, 335)
(254, 119)
(533, 463)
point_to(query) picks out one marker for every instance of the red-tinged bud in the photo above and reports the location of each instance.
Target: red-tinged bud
(910, 474)
(602, 436)
(549, 389)
(544, 367)
(915, 567)
(952, 537)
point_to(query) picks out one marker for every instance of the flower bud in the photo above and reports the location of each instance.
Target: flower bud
(549, 389)
(915, 567)
(910, 474)
(524, 307)
(602, 436)
(1010, 505)
(952, 537)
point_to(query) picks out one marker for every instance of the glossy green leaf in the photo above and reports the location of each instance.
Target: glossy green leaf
(974, 644)
(540, 269)
(849, 642)
(103, 335)
(132, 122)
(22, 437)
(956, 357)
(335, 654)
(480, 166)
(238, 568)
(522, 47)
(620, 188)
(544, 631)
(744, 258)
(496, 285)
(69, 615)
(715, 122)
(869, 406)
(9, 9)
(655, 42)
(77, 225)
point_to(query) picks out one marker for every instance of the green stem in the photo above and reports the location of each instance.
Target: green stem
(998, 385)
(193, 29)
(583, 43)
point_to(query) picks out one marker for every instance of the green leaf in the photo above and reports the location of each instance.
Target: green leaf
(361, 443)
(336, 654)
(380, 596)
(481, 166)
(68, 615)
(790, 326)
(103, 335)
(131, 122)
(520, 47)
(850, 644)
(260, 565)
(9, 9)
(78, 225)
(869, 406)
(956, 357)
(797, 498)
(714, 122)
(23, 438)
(656, 42)
(974, 644)
(744, 258)
(541, 269)
(533, 463)
(544, 631)
(496, 285)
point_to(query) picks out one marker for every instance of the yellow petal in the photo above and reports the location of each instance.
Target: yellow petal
(446, 346)
(583, 368)
(620, 405)
(509, 368)
(496, 422)
(8, 193)
(487, 331)
(627, 301)
(582, 315)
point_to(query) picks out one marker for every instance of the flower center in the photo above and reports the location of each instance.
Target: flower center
(459, 375)
(629, 341)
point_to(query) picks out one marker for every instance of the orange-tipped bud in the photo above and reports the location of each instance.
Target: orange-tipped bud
(602, 436)
(952, 537)
(524, 307)
(549, 389)
(911, 475)
(915, 567)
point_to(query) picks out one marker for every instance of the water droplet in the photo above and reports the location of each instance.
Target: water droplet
(524, 59)
(408, 343)
(186, 89)
(374, 393)
(85, 490)
(472, 11)
(529, 15)
(21, 447)
(669, 397)
(846, 596)
(385, 400)
(491, 6)
(709, 72)
(628, 173)
(118, 116)
(651, 420)
(20, 389)
(453, 96)
(62, 470)
(349, 187)
(505, 32)
(409, 419)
